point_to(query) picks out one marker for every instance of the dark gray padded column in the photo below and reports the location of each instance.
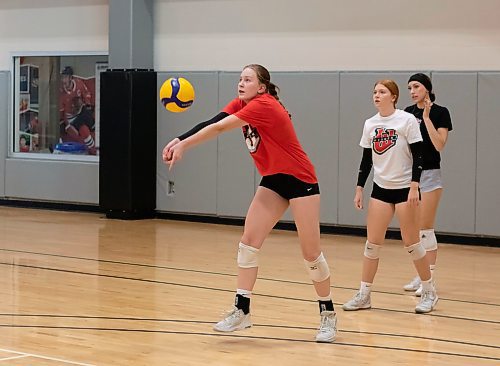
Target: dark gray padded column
(131, 34)
(4, 122)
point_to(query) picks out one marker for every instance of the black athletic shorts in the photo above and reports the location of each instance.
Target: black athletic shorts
(288, 187)
(393, 196)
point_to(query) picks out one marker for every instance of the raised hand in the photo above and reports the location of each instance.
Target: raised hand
(427, 107)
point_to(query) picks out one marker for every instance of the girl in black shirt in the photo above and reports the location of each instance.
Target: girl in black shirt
(435, 123)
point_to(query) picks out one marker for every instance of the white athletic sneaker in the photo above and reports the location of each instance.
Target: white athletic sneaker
(418, 293)
(427, 302)
(233, 320)
(358, 302)
(413, 285)
(327, 327)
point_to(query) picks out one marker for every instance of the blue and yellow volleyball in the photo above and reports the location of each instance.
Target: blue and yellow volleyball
(177, 94)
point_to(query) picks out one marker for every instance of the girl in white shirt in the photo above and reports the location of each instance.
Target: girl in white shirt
(392, 144)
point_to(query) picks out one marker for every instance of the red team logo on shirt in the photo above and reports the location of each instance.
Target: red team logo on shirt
(384, 139)
(252, 138)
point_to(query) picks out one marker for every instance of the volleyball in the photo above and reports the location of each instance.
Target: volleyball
(177, 94)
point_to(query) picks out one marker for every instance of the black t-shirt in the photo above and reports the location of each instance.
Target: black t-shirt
(440, 117)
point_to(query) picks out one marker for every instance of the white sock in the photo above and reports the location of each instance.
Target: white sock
(365, 288)
(427, 285)
(325, 298)
(244, 293)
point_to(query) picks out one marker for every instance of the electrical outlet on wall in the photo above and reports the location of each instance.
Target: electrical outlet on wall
(170, 188)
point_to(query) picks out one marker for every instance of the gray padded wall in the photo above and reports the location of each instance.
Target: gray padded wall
(488, 155)
(312, 100)
(356, 105)
(458, 92)
(235, 168)
(219, 178)
(59, 181)
(4, 117)
(195, 177)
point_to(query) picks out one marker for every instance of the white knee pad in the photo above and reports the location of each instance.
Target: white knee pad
(247, 256)
(318, 269)
(416, 251)
(372, 250)
(428, 238)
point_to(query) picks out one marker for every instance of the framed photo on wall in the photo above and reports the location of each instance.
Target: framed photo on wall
(56, 99)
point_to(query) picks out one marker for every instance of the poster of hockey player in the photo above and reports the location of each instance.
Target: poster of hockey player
(78, 108)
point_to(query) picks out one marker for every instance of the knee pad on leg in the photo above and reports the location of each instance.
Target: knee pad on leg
(318, 269)
(247, 256)
(428, 238)
(416, 251)
(372, 251)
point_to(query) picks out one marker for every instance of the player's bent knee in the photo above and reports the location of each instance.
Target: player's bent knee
(428, 238)
(372, 250)
(416, 251)
(247, 256)
(318, 269)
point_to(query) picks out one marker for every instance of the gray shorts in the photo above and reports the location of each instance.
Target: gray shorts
(430, 180)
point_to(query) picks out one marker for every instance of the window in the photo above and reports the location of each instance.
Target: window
(56, 106)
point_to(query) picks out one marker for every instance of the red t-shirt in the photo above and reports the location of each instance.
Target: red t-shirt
(71, 100)
(271, 138)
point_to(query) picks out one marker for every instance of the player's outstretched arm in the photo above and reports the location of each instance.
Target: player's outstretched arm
(176, 151)
(166, 156)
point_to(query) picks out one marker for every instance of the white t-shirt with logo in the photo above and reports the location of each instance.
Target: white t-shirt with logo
(389, 138)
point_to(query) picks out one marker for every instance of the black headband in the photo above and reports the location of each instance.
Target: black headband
(426, 82)
(422, 79)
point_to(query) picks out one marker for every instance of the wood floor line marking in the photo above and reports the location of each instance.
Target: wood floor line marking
(46, 357)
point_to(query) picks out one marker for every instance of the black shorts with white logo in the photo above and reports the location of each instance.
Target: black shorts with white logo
(393, 196)
(289, 187)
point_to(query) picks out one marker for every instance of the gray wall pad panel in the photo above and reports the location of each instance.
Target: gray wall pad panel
(312, 100)
(488, 156)
(458, 92)
(235, 168)
(195, 177)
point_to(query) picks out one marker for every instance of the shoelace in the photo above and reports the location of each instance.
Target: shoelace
(358, 297)
(326, 323)
(426, 297)
(229, 314)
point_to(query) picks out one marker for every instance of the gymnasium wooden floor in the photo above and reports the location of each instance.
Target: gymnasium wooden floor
(79, 289)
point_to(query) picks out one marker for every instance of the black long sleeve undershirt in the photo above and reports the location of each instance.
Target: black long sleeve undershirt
(365, 166)
(418, 161)
(202, 125)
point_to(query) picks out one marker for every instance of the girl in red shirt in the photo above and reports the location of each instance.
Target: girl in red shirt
(289, 180)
